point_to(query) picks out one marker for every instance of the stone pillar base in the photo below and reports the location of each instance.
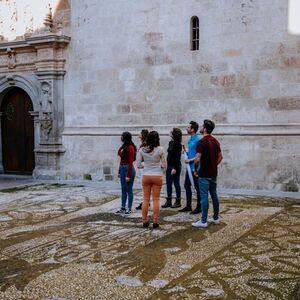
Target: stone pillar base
(48, 161)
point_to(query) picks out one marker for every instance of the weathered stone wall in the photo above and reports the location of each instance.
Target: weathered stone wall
(253, 162)
(130, 64)
(264, 162)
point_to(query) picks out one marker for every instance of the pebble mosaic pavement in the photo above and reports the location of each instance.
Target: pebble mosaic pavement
(64, 242)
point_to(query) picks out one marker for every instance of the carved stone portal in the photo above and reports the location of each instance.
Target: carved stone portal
(46, 126)
(12, 62)
(46, 99)
(42, 79)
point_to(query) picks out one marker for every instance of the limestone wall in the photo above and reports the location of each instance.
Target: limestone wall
(264, 162)
(130, 64)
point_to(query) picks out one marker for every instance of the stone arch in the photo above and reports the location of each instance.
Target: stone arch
(29, 83)
(32, 86)
(17, 122)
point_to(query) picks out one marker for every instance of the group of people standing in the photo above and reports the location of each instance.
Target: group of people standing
(202, 158)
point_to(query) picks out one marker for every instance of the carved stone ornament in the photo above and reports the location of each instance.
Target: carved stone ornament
(46, 126)
(60, 27)
(12, 61)
(46, 99)
(48, 21)
(11, 79)
(9, 111)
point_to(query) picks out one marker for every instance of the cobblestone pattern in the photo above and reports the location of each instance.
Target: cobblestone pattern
(65, 242)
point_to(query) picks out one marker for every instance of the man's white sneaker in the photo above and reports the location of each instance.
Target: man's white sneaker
(212, 220)
(199, 224)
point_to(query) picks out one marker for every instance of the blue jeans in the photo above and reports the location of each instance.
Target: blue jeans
(170, 179)
(126, 186)
(208, 184)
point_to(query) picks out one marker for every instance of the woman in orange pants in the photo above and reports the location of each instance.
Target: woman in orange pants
(151, 157)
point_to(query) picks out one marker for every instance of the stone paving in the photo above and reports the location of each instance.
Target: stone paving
(64, 241)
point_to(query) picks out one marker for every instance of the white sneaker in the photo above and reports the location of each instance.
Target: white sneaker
(199, 224)
(212, 220)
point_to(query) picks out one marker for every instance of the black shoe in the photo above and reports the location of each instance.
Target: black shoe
(177, 203)
(155, 225)
(168, 203)
(196, 211)
(139, 206)
(185, 209)
(146, 225)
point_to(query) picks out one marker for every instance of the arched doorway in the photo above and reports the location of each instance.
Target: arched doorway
(17, 129)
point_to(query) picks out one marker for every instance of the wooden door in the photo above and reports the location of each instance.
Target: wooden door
(17, 133)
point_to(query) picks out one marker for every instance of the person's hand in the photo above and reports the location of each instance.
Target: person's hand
(196, 174)
(173, 172)
(127, 179)
(186, 161)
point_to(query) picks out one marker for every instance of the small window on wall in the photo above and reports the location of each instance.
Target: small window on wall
(194, 33)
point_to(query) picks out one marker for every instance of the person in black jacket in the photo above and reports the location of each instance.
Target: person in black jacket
(174, 168)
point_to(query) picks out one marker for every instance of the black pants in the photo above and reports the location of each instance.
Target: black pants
(170, 179)
(188, 190)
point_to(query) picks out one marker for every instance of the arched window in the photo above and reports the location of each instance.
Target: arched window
(194, 33)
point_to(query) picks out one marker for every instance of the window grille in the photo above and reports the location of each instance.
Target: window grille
(194, 33)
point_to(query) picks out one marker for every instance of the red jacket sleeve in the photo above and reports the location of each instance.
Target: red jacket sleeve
(130, 151)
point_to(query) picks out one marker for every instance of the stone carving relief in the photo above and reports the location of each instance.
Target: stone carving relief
(11, 79)
(46, 120)
(9, 111)
(46, 99)
(46, 126)
(48, 21)
(60, 26)
(12, 62)
(44, 53)
(26, 58)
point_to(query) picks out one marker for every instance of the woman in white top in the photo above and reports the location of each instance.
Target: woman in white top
(143, 137)
(151, 158)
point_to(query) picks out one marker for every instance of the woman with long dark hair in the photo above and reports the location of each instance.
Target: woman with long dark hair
(143, 137)
(153, 158)
(174, 168)
(127, 153)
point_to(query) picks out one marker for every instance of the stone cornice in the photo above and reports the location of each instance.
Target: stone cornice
(37, 41)
(292, 129)
(50, 148)
(38, 54)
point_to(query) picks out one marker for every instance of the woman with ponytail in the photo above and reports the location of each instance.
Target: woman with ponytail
(127, 153)
(153, 158)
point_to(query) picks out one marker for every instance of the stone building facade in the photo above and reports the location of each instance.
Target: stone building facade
(97, 68)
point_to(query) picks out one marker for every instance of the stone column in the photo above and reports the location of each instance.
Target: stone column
(1, 163)
(50, 73)
(36, 124)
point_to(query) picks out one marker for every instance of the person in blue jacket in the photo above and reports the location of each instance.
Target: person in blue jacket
(192, 144)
